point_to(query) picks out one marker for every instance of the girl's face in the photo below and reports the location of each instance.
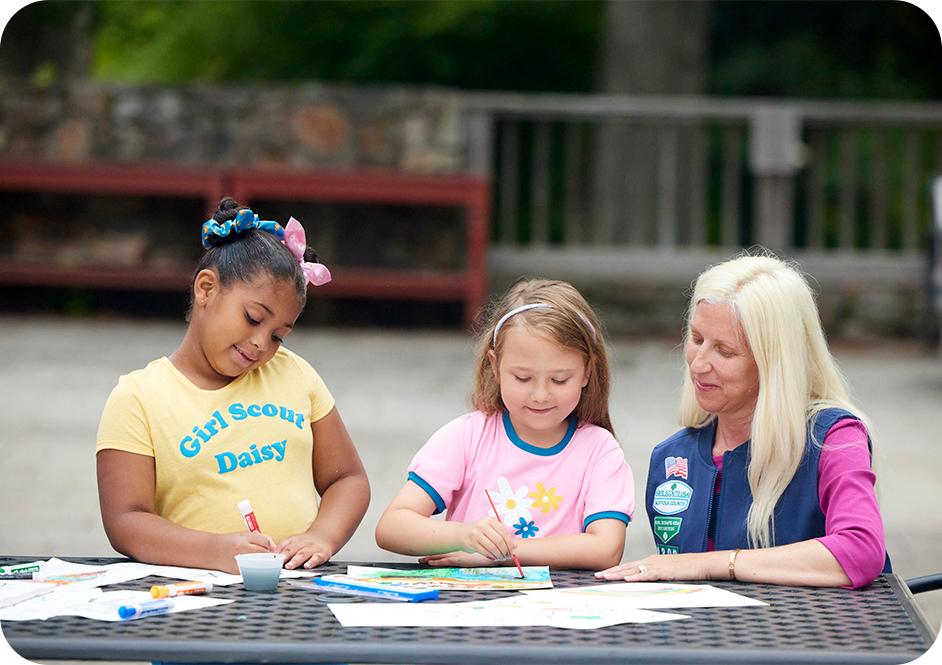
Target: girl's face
(722, 368)
(541, 383)
(242, 326)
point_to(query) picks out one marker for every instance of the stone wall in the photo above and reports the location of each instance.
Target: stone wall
(296, 126)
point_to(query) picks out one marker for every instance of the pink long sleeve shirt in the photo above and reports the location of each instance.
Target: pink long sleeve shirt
(852, 522)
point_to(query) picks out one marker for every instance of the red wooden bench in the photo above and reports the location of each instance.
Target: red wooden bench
(469, 193)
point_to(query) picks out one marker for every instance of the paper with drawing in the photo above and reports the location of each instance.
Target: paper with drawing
(457, 579)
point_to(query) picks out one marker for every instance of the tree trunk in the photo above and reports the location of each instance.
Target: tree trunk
(651, 47)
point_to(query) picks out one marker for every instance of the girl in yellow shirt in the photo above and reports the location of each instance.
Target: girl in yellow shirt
(232, 415)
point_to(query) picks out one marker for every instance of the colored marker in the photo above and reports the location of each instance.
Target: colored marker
(342, 584)
(18, 575)
(497, 514)
(22, 568)
(248, 515)
(145, 609)
(180, 589)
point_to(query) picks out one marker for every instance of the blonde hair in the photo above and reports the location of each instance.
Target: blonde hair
(798, 377)
(569, 321)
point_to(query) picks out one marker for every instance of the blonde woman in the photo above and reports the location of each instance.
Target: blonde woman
(771, 479)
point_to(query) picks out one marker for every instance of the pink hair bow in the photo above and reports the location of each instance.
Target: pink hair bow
(295, 240)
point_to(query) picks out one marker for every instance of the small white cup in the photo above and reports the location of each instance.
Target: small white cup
(260, 570)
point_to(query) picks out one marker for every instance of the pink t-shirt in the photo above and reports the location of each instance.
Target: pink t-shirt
(537, 491)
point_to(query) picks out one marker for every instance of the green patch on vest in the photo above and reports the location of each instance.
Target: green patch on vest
(667, 527)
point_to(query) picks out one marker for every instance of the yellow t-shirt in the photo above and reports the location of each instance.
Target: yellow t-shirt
(251, 439)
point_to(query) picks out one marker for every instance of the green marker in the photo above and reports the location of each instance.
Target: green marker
(22, 568)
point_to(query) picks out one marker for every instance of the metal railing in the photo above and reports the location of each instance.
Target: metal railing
(659, 179)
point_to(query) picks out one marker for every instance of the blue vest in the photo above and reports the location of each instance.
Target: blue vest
(681, 483)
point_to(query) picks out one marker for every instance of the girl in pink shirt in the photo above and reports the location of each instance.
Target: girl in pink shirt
(540, 443)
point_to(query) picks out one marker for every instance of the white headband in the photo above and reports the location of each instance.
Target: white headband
(515, 310)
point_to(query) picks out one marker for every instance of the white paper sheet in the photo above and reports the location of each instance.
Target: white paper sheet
(654, 595)
(93, 603)
(217, 577)
(84, 575)
(76, 592)
(13, 592)
(50, 605)
(87, 575)
(517, 610)
(585, 607)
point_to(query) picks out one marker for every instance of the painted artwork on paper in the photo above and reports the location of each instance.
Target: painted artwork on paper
(495, 578)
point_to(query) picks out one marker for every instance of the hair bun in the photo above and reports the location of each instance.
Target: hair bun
(227, 210)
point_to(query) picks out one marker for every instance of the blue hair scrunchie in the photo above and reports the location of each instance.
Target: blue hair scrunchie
(244, 221)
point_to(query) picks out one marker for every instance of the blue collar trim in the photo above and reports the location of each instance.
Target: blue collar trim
(536, 450)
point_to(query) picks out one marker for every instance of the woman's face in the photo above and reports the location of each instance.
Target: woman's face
(721, 365)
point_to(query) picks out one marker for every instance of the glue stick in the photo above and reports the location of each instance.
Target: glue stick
(249, 516)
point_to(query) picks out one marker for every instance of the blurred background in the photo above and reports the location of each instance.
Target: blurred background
(436, 151)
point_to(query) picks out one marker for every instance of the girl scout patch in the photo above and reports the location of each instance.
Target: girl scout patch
(667, 527)
(672, 497)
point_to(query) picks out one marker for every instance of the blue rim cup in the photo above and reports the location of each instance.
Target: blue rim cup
(260, 570)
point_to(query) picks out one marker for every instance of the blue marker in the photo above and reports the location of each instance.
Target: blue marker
(147, 608)
(342, 584)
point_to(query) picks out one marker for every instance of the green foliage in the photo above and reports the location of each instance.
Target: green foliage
(881, 49)
(468, 43)
(808, 48)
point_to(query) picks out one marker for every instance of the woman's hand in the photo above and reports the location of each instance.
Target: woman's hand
(457, 560)
(665, 567)
(305, 550)
(227, 545)
(489, 537)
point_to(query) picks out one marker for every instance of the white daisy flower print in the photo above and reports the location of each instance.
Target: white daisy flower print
(510, 504)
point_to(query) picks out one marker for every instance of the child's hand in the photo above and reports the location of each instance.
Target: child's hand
(489, 537)
(239, 542)
(304, 549)
(456, 559)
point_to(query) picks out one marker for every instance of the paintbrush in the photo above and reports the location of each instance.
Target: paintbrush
(497, 514)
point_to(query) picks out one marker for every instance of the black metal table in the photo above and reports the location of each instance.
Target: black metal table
(878, 624)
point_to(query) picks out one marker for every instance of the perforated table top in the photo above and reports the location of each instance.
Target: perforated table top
(878, 624)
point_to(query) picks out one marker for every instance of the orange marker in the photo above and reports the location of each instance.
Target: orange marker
(497, 514)
(180, 589)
